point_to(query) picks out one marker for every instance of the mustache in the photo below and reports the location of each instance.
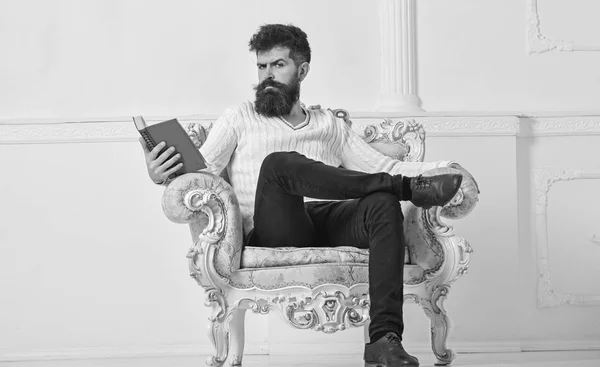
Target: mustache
(270, 83)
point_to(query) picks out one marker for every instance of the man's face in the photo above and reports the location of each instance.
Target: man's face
(279, 83)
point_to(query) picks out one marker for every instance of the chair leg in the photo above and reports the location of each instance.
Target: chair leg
(218, 327)
(366, 332)
(441, 325)
(237, 336)
(219, 337)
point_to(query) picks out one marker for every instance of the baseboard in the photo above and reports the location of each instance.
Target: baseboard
(559, 345)
(418, 348)
(499, 346)
(347, 348)
(425, 348)
(148, 351)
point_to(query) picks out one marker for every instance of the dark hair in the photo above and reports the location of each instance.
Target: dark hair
(270, 36)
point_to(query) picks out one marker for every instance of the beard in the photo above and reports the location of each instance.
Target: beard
(276, 101)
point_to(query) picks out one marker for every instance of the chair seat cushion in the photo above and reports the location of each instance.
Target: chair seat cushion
(312, 276)
(266, 257)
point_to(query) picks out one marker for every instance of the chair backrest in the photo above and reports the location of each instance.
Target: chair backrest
(403, 139)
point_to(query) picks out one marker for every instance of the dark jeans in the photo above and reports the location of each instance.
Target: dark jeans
(372, 219)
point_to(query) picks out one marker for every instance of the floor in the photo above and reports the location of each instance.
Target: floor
(529, 359)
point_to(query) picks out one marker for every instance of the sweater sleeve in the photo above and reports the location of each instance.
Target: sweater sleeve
(221, 142)
(357, 155)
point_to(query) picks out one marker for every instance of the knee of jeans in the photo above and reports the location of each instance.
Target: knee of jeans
(382, 202)
(277, 160)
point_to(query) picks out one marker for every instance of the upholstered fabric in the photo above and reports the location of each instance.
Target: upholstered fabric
(264, 257)
(270, 268)
(311, 276)
(423, 249)
(396, 151)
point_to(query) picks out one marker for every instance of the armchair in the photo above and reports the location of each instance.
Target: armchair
(323, 289)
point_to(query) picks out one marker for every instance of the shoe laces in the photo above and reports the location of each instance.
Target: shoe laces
(394, 340)
(422, 182)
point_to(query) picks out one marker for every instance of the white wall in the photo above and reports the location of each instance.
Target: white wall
(473, 56)
(89, 265)
(95, 58)
(117, 58)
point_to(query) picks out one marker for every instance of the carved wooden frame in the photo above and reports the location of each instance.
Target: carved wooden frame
(539, 43)
(547, 296)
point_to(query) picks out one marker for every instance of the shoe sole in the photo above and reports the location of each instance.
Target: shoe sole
(460, 179)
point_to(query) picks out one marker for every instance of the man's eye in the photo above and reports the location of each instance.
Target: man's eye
(279, 65)
(261, 66)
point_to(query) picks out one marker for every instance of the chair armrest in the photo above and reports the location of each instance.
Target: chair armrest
(432, 243)
(208, 204)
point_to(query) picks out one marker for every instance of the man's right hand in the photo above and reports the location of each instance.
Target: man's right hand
(160, 167)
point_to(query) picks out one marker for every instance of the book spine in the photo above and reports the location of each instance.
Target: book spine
(149, 142)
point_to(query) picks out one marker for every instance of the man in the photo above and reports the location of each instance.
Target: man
(284, 163)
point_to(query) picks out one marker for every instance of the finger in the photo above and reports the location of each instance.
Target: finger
(170, 162)
(157, 149)
(165, 155)
(174, 169)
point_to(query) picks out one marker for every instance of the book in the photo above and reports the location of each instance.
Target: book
(173, 134)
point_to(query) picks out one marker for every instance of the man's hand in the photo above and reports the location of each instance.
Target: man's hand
(160, 167)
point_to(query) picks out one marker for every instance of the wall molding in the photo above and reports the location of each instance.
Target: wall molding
(547, 296)
(559, 126)
(470, 126)
(36, 131)
(538, 43)
(79, 132)
(56, 131)
(121, 130)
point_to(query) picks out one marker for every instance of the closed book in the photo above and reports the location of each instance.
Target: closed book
(173, 134)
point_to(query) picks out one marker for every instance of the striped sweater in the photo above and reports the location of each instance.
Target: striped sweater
(241, 138)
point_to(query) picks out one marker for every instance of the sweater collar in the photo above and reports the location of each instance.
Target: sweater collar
(300, 125)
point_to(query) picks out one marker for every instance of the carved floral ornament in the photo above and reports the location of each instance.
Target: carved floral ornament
(328, 312)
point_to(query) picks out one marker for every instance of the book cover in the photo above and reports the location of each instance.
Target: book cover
(173, 134)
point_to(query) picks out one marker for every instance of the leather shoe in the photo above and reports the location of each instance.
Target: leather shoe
(434, 190)
(388, 352)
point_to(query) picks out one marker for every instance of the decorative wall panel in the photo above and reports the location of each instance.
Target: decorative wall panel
(547, 295)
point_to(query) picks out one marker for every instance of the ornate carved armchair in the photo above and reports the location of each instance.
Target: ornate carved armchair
(323, 289)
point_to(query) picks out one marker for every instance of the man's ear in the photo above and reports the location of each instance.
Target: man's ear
(303, 70)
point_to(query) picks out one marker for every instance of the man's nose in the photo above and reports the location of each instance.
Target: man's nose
(270, 73)
(267, 77)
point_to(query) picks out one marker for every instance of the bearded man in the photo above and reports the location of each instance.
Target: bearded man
(303, 178)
